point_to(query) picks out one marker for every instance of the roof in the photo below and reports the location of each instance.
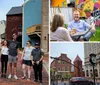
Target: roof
(15, 10)
(77, 59)
(64, 57)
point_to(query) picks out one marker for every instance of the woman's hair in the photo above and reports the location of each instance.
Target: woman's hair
(2, 43)
(58, 21)
(29, 41)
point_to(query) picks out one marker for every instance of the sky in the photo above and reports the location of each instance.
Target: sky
(6, 5)
(71, 49)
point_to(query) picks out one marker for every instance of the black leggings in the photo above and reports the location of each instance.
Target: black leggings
(4, 61)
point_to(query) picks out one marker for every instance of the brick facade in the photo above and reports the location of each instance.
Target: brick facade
(65, 67)
(13, 25)
(78, 69)
(61, 65)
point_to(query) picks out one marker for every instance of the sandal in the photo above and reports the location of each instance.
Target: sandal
(23, 77)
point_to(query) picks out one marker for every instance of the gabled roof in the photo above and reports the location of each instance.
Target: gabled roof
(64, 57)
(77, 59)
(15, 10)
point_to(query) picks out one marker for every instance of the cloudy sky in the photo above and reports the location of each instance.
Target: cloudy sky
(71, 49)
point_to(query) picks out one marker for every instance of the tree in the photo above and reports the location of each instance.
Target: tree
(69, 76)
(64, 76)
(51, 73)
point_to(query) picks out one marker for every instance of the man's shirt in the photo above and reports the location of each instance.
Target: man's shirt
(80, 25)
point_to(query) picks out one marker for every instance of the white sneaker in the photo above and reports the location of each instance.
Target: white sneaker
(15, 77)
(9, 77)
(40, 83)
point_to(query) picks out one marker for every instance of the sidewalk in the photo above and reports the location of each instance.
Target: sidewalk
(20, 74)
(46, 64)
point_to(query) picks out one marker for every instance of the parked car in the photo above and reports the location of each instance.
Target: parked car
(80, 81)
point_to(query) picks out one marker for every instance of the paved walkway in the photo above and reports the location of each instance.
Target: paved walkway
(20, 74)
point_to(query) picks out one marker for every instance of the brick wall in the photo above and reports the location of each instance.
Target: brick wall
(78, 72)
(63, 66)
(12, 25)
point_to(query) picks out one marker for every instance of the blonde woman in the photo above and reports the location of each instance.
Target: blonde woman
(58, 32)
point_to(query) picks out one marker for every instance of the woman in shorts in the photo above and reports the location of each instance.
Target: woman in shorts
(26, 60)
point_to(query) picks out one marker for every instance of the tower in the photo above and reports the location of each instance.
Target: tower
(78, 67)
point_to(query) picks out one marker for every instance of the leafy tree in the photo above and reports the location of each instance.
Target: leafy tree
(69, 76)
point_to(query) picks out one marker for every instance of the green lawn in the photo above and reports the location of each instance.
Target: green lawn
(96, 36)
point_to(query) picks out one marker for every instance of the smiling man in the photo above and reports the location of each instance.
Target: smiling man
(79, 25)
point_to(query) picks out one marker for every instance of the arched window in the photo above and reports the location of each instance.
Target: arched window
(87, 73)
(59, 62)
(91, 73)
(96, 72)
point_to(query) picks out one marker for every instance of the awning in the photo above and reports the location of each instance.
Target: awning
(35, 29)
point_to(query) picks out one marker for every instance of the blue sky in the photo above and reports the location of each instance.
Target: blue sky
(71, 49)
(6, 5)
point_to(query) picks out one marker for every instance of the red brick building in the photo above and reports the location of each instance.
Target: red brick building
(62, 67)
(78, 72)
(14, 23)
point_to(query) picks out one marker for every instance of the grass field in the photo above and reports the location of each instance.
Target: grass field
(96, 36)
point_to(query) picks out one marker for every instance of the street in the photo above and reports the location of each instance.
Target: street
(60, 83)
(66, 83)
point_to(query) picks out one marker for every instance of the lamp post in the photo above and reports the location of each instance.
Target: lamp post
(93, 62)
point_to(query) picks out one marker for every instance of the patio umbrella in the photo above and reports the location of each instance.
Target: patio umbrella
(56, 3)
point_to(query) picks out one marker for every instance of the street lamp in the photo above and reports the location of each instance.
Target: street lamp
(93, 62)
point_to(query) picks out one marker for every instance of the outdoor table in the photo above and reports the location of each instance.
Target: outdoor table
(78, 35)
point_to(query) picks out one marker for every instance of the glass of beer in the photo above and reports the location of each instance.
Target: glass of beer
(73, 30)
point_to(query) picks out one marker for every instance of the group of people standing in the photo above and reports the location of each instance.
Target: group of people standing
(60, 33)
(31, 57)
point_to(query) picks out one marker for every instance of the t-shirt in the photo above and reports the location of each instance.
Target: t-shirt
(27, 52)
(37, 53)
(4, 50)
(13, 46)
